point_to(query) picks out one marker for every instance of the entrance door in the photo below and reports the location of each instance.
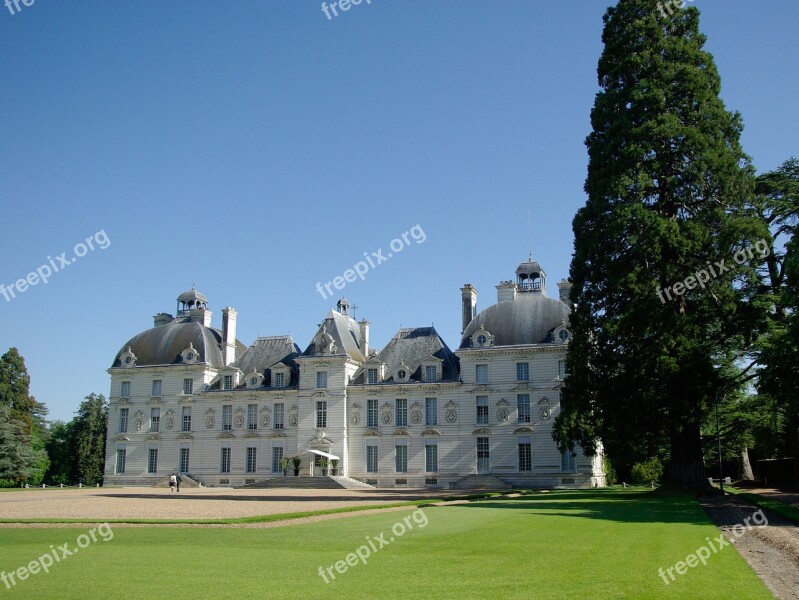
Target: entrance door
(483, 456)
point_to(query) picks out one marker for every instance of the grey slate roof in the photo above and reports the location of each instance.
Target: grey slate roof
(163, 345)
(265, 352)
(529, 318)
(345, 333)
(414, 346)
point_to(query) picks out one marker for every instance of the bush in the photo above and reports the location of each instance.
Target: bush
(610, 472)
(647, 471)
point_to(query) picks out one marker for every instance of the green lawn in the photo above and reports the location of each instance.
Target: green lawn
(587, 544)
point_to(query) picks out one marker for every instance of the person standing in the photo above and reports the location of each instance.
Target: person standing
(177, 481)
(173, 481)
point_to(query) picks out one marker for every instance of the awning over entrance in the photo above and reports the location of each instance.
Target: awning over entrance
(325, 454)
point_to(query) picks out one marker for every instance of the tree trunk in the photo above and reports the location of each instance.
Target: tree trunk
(793, 445)
(687, 466)
(746, 466)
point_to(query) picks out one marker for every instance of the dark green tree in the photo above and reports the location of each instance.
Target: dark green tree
(667, 183)
(18, 459)
(61, 448)
(90, 429)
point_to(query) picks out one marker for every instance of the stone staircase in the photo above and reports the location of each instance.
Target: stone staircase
(301, 482)
(186, 480)
(480, 482)
(352, 484)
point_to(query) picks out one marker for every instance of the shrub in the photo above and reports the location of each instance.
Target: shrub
(647, 471)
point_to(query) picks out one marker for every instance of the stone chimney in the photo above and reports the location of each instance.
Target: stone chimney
(162, 319)
(229, 335)
(564, 288)
(469, 304)
(506, 290)
(364, 341)
(201, 315)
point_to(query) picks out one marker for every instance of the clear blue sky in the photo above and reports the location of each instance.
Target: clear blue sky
(284, 145)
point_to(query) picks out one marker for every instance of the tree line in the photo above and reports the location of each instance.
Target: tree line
(34, 450)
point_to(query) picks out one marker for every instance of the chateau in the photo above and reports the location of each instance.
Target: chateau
(188, 397)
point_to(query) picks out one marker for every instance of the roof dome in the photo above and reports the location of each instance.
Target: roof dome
(163, 345)
(526, 319)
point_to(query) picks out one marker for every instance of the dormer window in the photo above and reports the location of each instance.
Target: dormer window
(372, 375)
(482, 338)
(227, 382)
(402, 373)
(254, 380)
(279, 380)
(561, 334)
(127, 358)
(430, 373)
(190, 355)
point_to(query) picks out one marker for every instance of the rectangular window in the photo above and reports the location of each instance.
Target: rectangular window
(522, 371)
(125, 392)
(371, 376)
(483, 455)
(401, 459)
(227, 417)
(186, 418)
(482, 410)
(224, 460)
(121, 452)
(371, 413)
(279, 415)
(188, 386)
(525, 454)
(277, 456)
(523, 408)
(279, 380)
(251, 460)
(430, 373)
(431, 458)
(481, 373)
(156, 388)
(252, 416)
(561, 368)
(152, 460)
(321, 414)
(568, 461)
(431, 411)
(321, 379)
(123, 420)
(155, 420)
(228, 382)
(371, 459)
(402, 412)
(184, 460)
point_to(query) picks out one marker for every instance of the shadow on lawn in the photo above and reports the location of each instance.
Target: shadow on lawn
(625, 508)
(296, 499)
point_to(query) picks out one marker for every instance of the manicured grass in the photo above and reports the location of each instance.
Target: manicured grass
(587, 544)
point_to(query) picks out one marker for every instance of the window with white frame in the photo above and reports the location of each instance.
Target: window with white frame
(184, 459)
(188, 386)
(155, 420)
(523, 408)
(568, 461)
(321, 414)
(561, 369)
(125, 391)
(251, 460)
(252, 416)
(227, 382)
(482, 410)
(278, 379)
(186, 422)
(279, 411)
(152, 460)
(522, 371)
(371, 376)
(277, 457)
(371, 413)
(431, 456)
(481, 373)
(402, 412)
(224, 460)
(123, 420)
(227, 417)
(431, 411)
(371, 458)
(525, 443)
(430, 373)
(157, 384)
(401, 457)
(121, 458)
(321, 379)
